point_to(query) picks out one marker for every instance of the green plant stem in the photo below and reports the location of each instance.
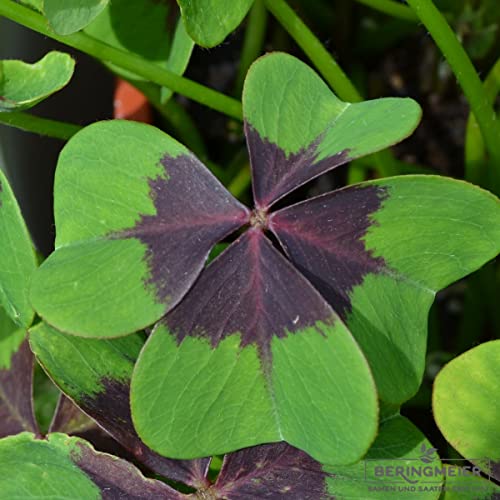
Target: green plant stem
(181, 121)
(475, 155)
(465, 72)
(404, 167)
(42, 126)
(176, 116)
(238, 174)
(135, 64)
(392, 8)
(255, 35)
(241, 182)
(314, 49)
(357, 172)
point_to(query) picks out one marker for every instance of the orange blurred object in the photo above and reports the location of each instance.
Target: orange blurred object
(130, 104)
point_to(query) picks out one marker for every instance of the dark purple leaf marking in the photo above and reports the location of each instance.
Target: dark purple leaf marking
(117, 478)
(271, 471)
(193, 212)
(16, 395)
(275, 174)
(111, 410)
(251, 289)
(323, 237)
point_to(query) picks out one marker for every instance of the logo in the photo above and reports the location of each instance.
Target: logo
(427, 454)
(426, 473)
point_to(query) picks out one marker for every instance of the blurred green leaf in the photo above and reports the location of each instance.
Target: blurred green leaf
(466, 405)
(208, 22)
(67, 16)
(24, 85)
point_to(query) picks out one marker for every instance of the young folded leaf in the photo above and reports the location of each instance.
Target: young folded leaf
(136, 217)
(68, 467)
(24, 85)
(253, 355)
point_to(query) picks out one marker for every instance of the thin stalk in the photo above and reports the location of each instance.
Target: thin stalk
(241, 182)
(255, 34)
(476, 168)
(357, 172)
(181, 121)
(404, 167)
(465, 72)
(131, 62)
(314, 49)
(239, 172)
(42, 126)
(176, 115)
(391, 8)
(237, 162)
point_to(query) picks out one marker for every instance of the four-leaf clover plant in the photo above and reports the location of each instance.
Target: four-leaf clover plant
(313, 313)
